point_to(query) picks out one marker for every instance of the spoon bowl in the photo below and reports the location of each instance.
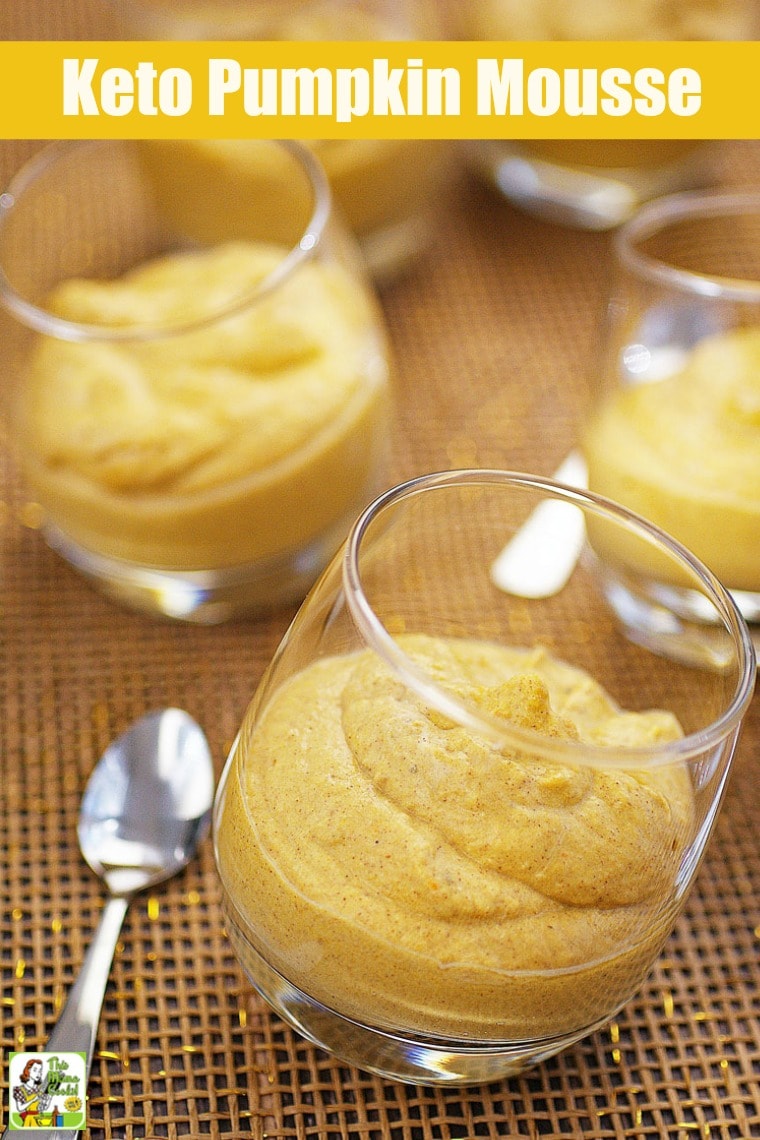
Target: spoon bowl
(143, 811)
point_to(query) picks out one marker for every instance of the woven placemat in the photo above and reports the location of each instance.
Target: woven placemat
(495, 335)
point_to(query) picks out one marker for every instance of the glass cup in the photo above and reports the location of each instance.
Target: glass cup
(386, 189)
(675, 427)
(199, 423)
(446, 851)
(586, 183)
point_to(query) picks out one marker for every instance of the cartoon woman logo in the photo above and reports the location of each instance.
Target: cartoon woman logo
(34, 1094)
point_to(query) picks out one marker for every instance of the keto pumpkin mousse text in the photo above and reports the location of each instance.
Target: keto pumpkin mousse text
(237, 441)
(406, 872)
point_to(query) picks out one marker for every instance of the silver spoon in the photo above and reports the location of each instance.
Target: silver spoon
(146, 807)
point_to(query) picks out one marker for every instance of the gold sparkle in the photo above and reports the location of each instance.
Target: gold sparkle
(31, 515)
(395, 625)
(519, 620)
(70, 781)
(100, 715)
(154, 908)
(462, 451)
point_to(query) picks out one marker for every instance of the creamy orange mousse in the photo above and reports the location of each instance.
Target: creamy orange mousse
(548, 20)
(685, 453)
(211, 189)
(609, 20)
(234, 442)
(406, 872)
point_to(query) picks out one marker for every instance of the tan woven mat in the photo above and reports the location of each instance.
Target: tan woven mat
(494, 335)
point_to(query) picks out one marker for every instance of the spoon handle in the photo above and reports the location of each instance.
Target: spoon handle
(76, 1028)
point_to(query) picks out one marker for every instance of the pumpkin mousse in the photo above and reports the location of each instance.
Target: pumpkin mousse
(408, 873)
(242, 438)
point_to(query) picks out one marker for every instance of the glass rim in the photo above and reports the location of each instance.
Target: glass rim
(36, 317)
(492, 728)
(661, 213)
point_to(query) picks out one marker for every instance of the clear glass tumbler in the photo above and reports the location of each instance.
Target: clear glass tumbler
(456, 826)
(590, 183)
(387, 190)
(675, 427)
(200, 423)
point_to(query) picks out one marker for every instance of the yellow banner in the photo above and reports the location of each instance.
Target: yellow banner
(380, 89)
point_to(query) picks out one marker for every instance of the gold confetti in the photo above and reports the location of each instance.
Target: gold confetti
(614, 1032)
(151, 955)
(31, 515)
(189, 1049)
(193, 898)
(20, 968)
(638, 1119)
(100, 715)
(56, 926)
(520, 620)
(17, 914)
(616, 1056)
(154, 908)
(243, 1018)
(21, 1037)
(667, 1003)
(8, 1001)
(71, 781)
(107, 1055)
(462, 451)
